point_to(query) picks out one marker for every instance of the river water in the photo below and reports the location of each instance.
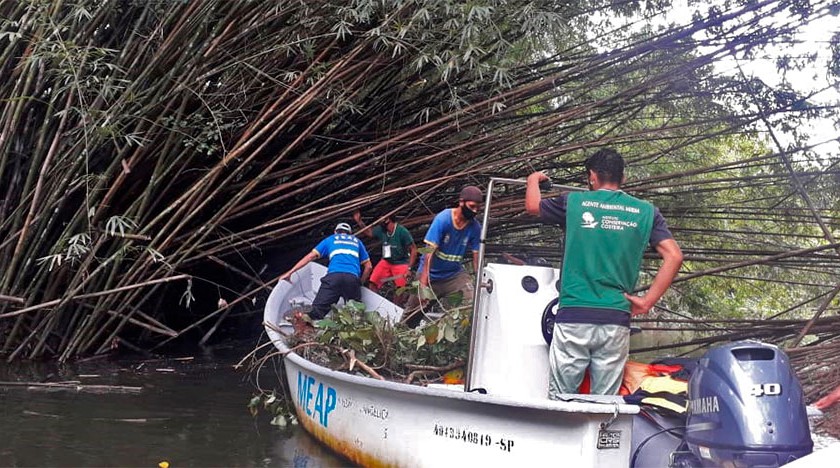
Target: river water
(190, 412)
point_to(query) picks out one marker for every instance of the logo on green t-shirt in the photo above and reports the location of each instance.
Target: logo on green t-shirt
(588, 221)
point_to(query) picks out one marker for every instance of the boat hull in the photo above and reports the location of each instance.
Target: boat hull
(375, 423)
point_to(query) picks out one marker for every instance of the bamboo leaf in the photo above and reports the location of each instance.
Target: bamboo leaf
(431, 334)
(450, 335)
(279, 421)
(118, 225)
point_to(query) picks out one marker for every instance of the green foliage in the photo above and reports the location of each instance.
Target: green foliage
(126, 122)
(382, 344)
(278, 407)
(51, 261)
(76, 247)
(118, 225)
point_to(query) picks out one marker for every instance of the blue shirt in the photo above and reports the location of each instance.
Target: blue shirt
(345, 251)
(451, 245)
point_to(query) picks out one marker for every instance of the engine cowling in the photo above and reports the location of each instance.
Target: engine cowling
(746, 408)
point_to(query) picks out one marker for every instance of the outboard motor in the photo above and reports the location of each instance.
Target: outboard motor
(746, 408)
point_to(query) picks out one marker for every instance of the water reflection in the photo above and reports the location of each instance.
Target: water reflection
(189, 413)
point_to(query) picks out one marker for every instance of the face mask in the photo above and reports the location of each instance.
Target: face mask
(467, 212)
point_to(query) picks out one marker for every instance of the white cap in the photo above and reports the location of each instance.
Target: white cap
(343, 227)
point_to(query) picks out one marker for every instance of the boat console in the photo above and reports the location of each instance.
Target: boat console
(509, 355)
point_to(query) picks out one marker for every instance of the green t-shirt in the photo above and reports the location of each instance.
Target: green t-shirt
(395, 247)
(607, 233)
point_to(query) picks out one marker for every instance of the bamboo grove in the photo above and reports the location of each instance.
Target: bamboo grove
(160, 160)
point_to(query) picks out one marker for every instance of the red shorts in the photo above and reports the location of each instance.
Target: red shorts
(385, 269)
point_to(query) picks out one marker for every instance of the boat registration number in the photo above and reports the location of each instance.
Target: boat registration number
(473, 437)
(609, 439)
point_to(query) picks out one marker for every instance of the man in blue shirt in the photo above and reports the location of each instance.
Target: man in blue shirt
(452, 233)
(348, 256)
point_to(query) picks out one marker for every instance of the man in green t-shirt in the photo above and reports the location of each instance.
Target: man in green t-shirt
(607, 233)
(399, 252)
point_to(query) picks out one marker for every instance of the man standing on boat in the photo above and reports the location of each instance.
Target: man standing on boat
(348, 261)
(452, 233)
(607, 233)
(399, 252)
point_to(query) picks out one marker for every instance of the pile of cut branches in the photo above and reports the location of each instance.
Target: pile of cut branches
(355, 340)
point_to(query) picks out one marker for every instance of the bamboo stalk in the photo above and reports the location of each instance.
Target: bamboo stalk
(220, 128)
(75, 385)
(91, 295)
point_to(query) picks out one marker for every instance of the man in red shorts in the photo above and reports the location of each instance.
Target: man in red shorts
(399, 252)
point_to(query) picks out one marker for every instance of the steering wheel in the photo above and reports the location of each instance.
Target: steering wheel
(547, 321)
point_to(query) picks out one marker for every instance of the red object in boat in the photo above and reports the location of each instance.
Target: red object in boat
(828, 400)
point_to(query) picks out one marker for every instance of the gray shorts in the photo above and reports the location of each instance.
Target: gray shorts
(576, 346)
(462, 282)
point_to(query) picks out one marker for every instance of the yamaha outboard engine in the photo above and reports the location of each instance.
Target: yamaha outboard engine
(746, 408)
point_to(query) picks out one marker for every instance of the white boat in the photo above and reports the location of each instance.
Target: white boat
(511, 423)
(382, 423)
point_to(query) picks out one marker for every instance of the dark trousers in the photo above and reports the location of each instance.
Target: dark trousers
(333, 287)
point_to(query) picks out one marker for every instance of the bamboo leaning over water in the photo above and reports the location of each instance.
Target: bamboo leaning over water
(147, 150)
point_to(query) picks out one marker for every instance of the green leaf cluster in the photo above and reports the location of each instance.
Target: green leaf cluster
(278, 407)
(388, 346)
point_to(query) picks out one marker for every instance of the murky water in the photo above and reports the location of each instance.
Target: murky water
(190, 412)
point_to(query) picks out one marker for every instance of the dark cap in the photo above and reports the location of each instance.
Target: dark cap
(471, 193)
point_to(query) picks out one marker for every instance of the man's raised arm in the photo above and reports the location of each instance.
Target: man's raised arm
(533, 197)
